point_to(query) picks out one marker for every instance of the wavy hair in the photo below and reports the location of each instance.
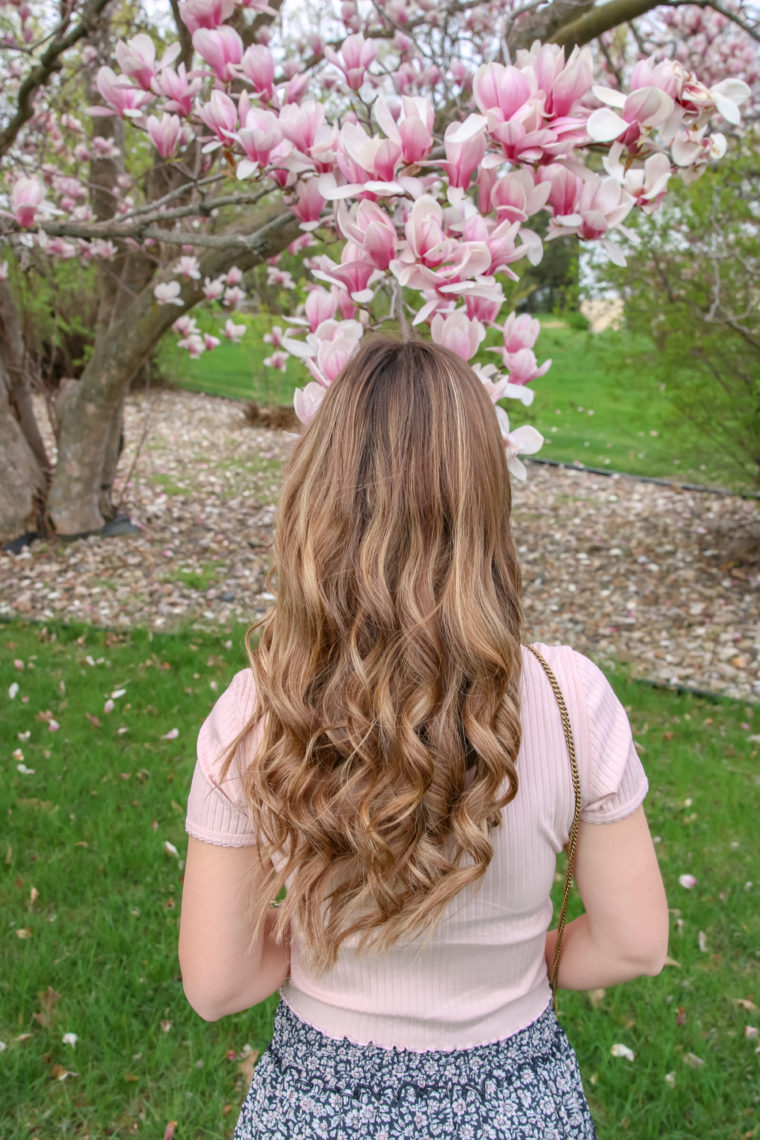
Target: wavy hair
(387, 672)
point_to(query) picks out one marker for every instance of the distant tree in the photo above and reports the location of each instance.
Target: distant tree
(693, 286)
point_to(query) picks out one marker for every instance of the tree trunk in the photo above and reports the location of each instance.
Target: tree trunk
(85, 456)
(23, 483)
(18, 389)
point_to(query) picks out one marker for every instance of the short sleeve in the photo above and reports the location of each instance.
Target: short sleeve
(216, 811)
(616, 783)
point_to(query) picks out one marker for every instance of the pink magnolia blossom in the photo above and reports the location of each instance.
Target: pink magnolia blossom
(232, 331)
(274, 336)
(458, 333)
(363, 158)
(499, 387)
(517, 196)
(646, 185)
(104, 250)
(185, 325)
(277, 360)
(430, 259)
(193, 344)
(213, 290)
(188, 267)
(205, 13)
(258, 136)
(221, 47)
(321, 305)
(355, 57)
(220, 116)
(27, 196)
(168, 293)
(413, 132)
(124, 100)
(210, 342)
(257, 65)
(370, 228)
(306, 401)
(523, 366)
(281, 278)
(520, 331)
(465, 145)
(137, 59)
(642, 109)
(327, 350)
(103, 147)
(309, 204)
(234, 276)
(587, 207)
(356, 272)
(180, 89)
(564, 82)
(233, 297)
(501, 90)
(524, 440)
(164, 133)
(302, 124)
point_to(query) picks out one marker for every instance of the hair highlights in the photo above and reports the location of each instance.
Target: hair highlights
(388, 670)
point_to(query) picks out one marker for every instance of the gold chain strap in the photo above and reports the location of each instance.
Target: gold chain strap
(573, 840)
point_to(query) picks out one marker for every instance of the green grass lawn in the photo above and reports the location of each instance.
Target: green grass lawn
(91, 885)
(597, 405)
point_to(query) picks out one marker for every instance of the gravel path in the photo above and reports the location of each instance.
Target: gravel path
(663, 579)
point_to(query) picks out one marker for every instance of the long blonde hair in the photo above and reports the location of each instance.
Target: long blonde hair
(390, 663)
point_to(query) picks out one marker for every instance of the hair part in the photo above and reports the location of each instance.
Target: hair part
(387, 672)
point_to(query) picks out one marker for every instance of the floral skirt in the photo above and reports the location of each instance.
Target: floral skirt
(308, 1086)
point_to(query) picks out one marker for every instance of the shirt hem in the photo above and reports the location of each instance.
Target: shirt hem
(465, 1047)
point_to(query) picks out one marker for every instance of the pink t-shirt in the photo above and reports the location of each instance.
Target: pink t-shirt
(483, 976)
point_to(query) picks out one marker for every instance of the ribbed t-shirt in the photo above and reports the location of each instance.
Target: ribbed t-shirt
(482, 977)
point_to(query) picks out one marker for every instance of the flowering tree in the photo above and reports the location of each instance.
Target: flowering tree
(423, 137)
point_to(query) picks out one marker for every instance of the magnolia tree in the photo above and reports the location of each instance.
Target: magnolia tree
(424, 138)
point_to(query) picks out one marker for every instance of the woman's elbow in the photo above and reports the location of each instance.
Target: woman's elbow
(649, 950)
(206, 1005)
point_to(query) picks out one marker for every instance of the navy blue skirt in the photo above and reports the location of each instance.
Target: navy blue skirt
(308, 1086)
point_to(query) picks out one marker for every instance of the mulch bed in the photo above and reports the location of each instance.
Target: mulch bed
(666, 580)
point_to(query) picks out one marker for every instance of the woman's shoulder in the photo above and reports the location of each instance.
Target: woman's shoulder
(230, 716)
(566, 663)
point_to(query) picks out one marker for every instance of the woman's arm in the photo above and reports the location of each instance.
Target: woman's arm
(624, 932)
(221, 971)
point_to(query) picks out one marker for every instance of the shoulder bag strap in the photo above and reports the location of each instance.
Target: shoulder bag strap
(573, 840)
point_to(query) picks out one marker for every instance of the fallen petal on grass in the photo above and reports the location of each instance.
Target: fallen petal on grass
(172, 734)
(687, 881)
(693, 1061)
(13, 690)
(170, 849)
(70, 1039)
(623, 1051)
(702, 939)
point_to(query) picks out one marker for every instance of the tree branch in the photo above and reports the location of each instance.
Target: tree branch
(598, 20)
(49, 62)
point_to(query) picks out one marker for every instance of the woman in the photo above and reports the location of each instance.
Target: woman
(397, 760)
